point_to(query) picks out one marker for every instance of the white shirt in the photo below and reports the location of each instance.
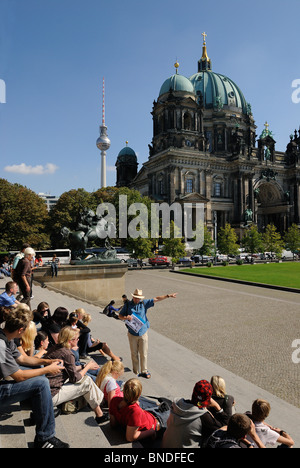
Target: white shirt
(266, 435)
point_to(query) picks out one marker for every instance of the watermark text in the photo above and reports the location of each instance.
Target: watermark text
(296, 93)
(138, 221)
(2, 92)
(296, 353)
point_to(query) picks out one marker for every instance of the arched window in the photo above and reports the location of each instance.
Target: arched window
(187, 121)
(218, 186)
(189, 186)
(217, 190)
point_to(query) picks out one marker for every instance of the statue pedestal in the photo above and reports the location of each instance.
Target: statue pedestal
(97, 284)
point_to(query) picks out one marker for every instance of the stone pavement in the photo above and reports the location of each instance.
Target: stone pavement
(174, 368)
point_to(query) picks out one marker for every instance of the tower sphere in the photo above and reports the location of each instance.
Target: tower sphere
(103, 142)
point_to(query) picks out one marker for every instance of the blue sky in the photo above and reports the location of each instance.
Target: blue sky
(54, 54)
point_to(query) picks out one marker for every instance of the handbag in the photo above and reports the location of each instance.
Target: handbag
(73, 406)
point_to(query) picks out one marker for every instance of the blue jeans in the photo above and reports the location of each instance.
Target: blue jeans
(54, 269)
(151, 407)
(37, 390)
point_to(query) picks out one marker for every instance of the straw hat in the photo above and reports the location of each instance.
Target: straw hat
(138, 294)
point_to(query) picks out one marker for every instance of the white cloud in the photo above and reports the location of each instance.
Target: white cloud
(24, 169)
(111, 168)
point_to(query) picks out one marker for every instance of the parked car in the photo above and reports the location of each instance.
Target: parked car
(159, 260)
(184, 260)
(133, 262)
(222, 258)
(202, 258)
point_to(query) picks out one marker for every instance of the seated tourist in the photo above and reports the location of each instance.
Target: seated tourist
(4, 312)
(268, 435)
(126, 412)
(107, 380)
(41, 314)
(5, 267)
(191, 422)
(8, 298)
(18, 384)
(41, 343)
(235, 434)
(93, 345)
(53, 324)
(72, 383)
(225, 401)
(25, 344)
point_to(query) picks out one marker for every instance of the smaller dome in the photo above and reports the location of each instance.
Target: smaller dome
(127, 155)
(177, 83)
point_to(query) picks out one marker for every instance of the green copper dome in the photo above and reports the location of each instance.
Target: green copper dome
(218, 90)
(128, 155)
(177, 83)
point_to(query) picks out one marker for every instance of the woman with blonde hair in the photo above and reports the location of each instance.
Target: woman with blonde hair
(92, 344)
(107, 380)
(79, 384)
(26, 345)
(225, 401)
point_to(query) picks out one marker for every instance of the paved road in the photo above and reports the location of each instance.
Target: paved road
(244, 329)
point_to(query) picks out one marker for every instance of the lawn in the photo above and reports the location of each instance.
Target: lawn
(279, 274)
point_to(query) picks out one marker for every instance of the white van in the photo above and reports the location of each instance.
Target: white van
(123, 256)
(287, 254)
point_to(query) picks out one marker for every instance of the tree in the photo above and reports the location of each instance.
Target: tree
(141, 247)
(126, 219)
(174, 246)
(227, 241)
(252, 240)
(272, 240)
(292, 239)
(208, 243)
(23, 217)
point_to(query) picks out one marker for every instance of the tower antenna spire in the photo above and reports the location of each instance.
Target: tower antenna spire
(103, 142)
(103, 102)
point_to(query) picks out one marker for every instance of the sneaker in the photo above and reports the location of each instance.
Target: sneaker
(51, 443)
(103, 418)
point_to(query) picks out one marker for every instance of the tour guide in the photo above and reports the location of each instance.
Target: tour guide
(134, 313)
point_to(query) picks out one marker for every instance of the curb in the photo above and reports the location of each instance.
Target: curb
(248, 283)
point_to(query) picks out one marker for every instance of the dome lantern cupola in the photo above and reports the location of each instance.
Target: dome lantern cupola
(204, 63)
(127, 166)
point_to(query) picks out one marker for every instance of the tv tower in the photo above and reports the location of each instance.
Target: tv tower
(103, 142)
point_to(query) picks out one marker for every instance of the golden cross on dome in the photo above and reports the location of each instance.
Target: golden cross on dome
(267, 126)
(204, 37)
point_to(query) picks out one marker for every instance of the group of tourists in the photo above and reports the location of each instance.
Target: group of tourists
(41, 360)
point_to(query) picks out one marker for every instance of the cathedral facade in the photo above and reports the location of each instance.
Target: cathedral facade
(205, 150)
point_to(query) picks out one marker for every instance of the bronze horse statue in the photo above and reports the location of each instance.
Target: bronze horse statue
(88, 229)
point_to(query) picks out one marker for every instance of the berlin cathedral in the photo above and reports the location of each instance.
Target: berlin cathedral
(205, 150)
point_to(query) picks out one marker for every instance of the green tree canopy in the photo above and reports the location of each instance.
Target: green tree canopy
(227, 241)
(208, 243)
(174, 246)
(23, 217)
(272, 240)
(252, 240)
(292, 238)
